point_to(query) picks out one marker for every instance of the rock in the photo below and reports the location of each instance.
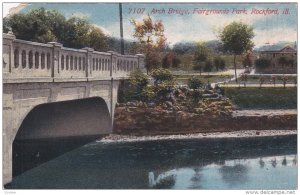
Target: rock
(164, 106)
(151, 104)
(131, 104)
(257, 132)
(215, 95)
(121, 105)
(169, 104)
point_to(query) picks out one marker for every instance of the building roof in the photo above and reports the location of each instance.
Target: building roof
(277, 48)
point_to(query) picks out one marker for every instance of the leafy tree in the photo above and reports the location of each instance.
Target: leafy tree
(222, 64)
(236, 39)
(219, 63)
(170, 60)
(262, 63)
(200, 56)
(184, 48)
(246, 60)
(41, 25)
(97, 39)
(151, 35)
(37, 25)
(208, 66)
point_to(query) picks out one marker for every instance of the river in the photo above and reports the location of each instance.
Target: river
(248, 164)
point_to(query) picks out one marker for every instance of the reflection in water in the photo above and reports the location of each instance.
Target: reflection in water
(234, 175)
(163, 181)
(170, 164)
(196, 179)
(295, 160)
(261, 163)
(284, 162)
(274, 162)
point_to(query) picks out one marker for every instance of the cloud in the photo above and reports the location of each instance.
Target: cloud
(10, 9)
(274, 35)
(79, 15)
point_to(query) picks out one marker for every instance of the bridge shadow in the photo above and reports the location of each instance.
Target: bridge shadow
(53, 129)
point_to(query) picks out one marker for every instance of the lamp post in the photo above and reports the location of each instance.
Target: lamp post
(148, 35)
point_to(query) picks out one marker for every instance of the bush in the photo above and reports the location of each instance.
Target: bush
(161, 75)
(139, 82)
(195, 83)
(138, 79)
(262, 63)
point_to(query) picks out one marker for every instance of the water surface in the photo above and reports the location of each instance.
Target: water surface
(171, 164)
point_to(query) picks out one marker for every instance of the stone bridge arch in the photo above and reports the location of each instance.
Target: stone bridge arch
(21, 99)
(52, 129)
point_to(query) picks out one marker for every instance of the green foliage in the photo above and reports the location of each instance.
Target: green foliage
(41, 25)
(162, 75)
(263, 98)
(138, 79)
(196, 96)
(195, 83)
(153, 59)
(247, 61)
(150, 34)
(200, 53)
(148, 94)
(237, 38)
(262, 63)
(283, 60)
(208, 66)
(170, 60)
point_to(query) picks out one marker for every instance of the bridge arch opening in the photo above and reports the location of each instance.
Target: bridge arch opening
(52, 129)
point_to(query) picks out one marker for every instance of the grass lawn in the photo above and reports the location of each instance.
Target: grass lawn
(263, 98)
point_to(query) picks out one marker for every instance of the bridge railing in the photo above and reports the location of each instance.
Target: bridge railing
(26, 61)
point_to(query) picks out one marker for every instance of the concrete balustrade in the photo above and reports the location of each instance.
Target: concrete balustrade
(26, 61)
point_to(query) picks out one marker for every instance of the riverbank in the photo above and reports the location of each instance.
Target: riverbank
(141, 121)
(114, 138)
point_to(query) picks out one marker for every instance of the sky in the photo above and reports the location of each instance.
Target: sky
(186, 21)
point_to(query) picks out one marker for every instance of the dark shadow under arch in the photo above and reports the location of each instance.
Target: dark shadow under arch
(50, 130)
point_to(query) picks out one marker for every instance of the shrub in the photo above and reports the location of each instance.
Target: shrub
(160, 75)
(262, 63)
(195, 83)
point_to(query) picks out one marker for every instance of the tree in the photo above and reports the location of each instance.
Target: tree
(246, 60)
(151, 35)
(200, 56)
(262, 63)
(170, 60)
(184, 48)
(208, 66)
(236, 38)
(38, 25)
(41, 25)
(219, 63)
(97, 39)
(222, 64)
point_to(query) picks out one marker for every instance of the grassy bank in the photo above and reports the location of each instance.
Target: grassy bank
(263, 98)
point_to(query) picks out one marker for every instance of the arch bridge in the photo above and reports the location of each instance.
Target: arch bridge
(41, 77)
